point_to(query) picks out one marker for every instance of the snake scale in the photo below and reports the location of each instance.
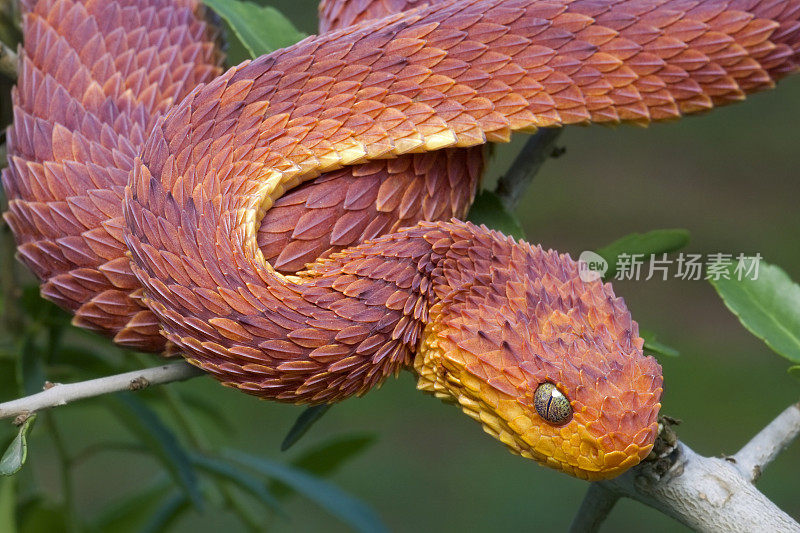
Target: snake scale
(291, 225)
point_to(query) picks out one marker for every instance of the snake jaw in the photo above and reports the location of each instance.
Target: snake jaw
(489, 351)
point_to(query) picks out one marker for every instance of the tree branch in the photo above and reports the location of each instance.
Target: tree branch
(537, 149)
(768, 443)
(708, 494)
(59, 394)
(594, 509)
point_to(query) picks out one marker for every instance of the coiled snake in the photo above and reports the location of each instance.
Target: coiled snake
(168, 204)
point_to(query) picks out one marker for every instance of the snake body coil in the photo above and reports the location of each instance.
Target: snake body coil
(220, 189)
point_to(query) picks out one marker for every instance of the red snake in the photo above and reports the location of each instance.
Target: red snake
(170, 205)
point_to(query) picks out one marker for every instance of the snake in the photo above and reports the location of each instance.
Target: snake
(293, 226)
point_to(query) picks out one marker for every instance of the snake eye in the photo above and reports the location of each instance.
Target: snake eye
(551, 404)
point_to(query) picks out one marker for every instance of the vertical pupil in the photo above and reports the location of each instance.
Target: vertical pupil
(551, 404)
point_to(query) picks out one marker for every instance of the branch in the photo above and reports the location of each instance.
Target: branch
(596, 506)
(708, 494)
(768, 443)
(58, 394)
(8, 62)
(537, 149)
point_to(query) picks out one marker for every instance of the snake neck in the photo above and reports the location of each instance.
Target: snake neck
(383, 291)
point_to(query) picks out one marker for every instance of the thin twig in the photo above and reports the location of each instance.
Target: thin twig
(594, 509)
(708, 494)
(8, 62)
(537, 149)
(768, 443)
(59, 394)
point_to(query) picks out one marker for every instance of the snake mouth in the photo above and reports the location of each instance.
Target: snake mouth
(571, 448)
(580, 446)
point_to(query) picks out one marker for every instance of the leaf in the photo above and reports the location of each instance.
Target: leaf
(239, 477)
(326, 459)
(653, 345)
(794, 371)
(161, 441)
(8, 505)
(329, 497)
(769, 306)
(235, 50)
(307, 418)
(17, 452)
(489, 210)
(260, 29)
(658, 241)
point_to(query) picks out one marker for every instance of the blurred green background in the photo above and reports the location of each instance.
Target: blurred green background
(730, 178)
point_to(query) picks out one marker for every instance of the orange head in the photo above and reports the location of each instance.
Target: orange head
(551, 365)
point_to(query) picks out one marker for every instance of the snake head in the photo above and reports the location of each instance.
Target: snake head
(551, 365)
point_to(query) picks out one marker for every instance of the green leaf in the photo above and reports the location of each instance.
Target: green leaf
(769, 306)
(653, 345)
(246, 481)
(489, 210)
(325, 459)
(235, 51)
(348, 509)
(307, 418)
(8, 504)
(161, 441)
(260, 29)
(17, 452)
(794, 371)
(658, 241)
